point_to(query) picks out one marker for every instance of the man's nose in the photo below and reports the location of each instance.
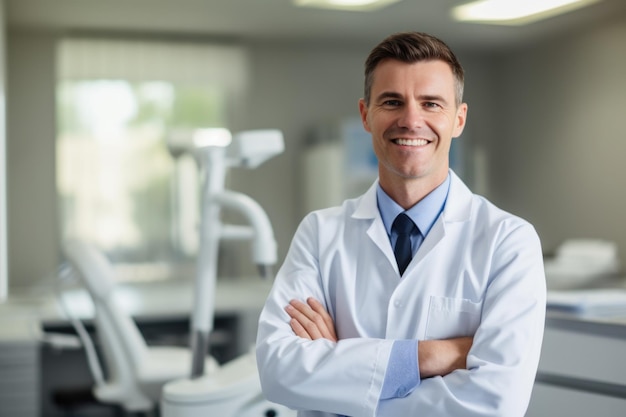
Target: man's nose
(411, 117)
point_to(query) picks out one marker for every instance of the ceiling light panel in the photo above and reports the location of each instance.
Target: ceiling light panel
(518, 12)
(358, 5)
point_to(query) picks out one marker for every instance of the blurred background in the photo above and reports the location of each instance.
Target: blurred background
(93, 91)
(93, 88)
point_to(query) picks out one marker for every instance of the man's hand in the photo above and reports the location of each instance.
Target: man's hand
(311, 320)
(440, 357)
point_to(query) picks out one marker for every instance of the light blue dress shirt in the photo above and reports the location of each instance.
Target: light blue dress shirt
(402, 375)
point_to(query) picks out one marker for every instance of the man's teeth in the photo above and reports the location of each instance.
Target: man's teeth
(411, 142)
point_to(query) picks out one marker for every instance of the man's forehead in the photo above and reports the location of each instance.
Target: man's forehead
(434, 73)
(436, 64)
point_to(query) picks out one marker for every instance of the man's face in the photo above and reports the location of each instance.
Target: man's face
(412, 116)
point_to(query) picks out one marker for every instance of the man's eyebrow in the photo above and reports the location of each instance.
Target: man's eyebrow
(387, 95)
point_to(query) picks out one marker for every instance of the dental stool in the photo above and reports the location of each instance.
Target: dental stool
(136, 372)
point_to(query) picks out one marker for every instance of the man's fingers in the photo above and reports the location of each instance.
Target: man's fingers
(299, 330)
(312, 318)
(329, 324)
(300, 312)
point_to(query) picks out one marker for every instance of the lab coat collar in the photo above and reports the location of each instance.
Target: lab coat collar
(367, 207)
(458, 205)
(457, 209)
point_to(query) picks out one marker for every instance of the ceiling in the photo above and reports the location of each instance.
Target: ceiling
(279, 19)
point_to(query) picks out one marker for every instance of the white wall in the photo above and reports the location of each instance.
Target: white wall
(32, 216)
(560, 152)
(4, 268)
(295, 87)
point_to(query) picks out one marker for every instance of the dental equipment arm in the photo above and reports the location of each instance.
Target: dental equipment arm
(263, 245)
(250, 150)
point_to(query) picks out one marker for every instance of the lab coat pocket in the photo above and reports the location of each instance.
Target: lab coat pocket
(452, 317)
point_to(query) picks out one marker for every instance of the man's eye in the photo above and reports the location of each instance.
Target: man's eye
(431, 105)
(392, 103)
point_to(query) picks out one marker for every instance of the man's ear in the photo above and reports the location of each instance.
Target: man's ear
(363, 112)
(461, 117)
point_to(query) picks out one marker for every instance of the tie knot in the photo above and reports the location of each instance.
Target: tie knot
(403, 224)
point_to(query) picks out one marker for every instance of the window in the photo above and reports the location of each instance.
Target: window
(119, 184)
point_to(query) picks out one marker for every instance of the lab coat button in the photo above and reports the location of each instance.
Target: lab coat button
(397, 303)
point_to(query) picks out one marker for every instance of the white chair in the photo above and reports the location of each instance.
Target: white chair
(136, 372)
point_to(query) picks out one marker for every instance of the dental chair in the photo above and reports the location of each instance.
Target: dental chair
(136, 372)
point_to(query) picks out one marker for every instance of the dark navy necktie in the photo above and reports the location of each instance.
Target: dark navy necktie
(403, 226)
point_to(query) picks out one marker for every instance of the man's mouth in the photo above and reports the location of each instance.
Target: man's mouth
(410, 142)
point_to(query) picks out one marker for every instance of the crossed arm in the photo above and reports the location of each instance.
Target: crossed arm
(311, 321)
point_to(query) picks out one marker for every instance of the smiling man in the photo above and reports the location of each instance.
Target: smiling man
(418, 298)
(412, 113)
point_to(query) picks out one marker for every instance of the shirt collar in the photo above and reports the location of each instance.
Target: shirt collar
(424, 213)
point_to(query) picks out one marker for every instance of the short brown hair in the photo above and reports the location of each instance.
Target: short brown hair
(412, 47)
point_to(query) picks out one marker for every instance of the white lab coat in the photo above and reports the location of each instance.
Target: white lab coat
(478, 272)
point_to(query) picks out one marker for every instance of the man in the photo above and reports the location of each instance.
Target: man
(353, 326)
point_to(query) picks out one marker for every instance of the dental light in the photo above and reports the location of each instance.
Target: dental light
(211, 137)
(246, 149)
(251, 148)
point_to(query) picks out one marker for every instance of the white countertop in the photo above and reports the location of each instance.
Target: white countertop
(22, 315)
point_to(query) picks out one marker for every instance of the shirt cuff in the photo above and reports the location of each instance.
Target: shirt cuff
(402, 375)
